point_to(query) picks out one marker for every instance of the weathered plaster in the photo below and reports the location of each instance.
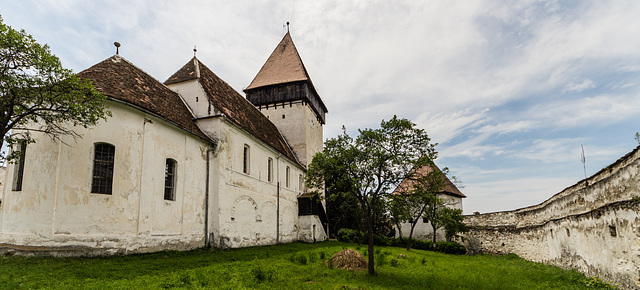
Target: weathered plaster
(57, 209)
(593, 226)
(424, 231)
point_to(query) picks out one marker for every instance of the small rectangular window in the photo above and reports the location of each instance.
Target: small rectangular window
(170, 179)
(287, 176)
(18, 172)
(300, 183)
(104, 155)
(245, 159)
(270, 170)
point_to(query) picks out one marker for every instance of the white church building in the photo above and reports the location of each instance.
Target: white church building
(182, 164)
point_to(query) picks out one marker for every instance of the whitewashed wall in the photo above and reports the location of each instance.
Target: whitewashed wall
(246, 205)
(592, 226)
(424, 231)
(57, 209)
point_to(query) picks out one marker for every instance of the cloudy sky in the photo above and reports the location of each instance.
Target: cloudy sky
(509, 89)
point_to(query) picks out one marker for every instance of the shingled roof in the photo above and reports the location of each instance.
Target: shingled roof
(449, 187)
(235, 107)
(119, 79)
(283, 66)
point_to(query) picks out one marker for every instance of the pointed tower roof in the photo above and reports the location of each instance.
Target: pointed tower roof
(120, 80)
(230, 103)
(284, 67)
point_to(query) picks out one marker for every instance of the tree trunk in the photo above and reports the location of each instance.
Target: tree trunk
(434, 233)
(370, 248)
(413, 225)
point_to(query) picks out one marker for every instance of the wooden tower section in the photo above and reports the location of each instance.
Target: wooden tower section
(282, 90)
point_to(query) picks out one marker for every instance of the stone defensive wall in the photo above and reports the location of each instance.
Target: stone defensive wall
(592, 226)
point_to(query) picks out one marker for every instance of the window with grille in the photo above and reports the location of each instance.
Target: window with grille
(245, 159)
(104, 155)
(170, 179)
(18, 172)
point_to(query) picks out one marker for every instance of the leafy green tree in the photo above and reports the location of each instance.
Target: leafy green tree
(371, 165)
(434, 214)
(453, 223)
(419, 195)
(38, 95)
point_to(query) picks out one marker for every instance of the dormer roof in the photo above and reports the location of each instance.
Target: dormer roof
(234, 107)
(119, 79)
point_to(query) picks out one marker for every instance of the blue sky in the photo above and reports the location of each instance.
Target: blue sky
(509, 90)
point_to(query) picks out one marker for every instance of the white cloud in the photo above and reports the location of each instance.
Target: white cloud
(542, 67)
(509, 194)
(579, 87)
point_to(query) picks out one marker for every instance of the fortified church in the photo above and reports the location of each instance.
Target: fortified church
(182, 164)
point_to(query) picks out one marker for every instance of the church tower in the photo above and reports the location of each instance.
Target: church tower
(282, 90)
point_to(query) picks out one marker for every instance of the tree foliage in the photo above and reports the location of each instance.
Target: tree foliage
(419, 196)
(38, 94)
(453, 223)
(371, 165)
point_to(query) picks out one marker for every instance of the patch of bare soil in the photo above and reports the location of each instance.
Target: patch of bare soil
(348, 259)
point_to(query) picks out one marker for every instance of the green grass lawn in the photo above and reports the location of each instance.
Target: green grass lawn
(290, 266)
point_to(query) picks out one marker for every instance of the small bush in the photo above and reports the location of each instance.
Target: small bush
(381, 259)
(262, 275)
(422, 245)
(451, 248)
(351, 236)
(395, 262)
(301, 259)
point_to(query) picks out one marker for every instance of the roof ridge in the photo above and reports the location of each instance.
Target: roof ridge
(121, 80)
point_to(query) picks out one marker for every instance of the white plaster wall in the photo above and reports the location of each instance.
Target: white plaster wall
(311, 229)
(424, 231)
(247, 204)
(300, 127)
(195, 97)
(56, 208)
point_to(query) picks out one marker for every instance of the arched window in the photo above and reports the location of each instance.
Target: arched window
(287, 176)
(18, 172)
(270, 170)
(170, 170)
(245, 159)
(104, 155)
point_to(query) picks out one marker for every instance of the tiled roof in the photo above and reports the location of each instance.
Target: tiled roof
(449, 187)
(119, 79)
(235, 107)
(283, 66)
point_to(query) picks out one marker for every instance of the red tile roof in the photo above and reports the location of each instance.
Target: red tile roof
(119, 79)
(283, 66)
(449, 187)
(235, 107)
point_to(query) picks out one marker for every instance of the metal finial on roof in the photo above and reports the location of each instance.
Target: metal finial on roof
(117, 44)
(287, 26)
(194, 51)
